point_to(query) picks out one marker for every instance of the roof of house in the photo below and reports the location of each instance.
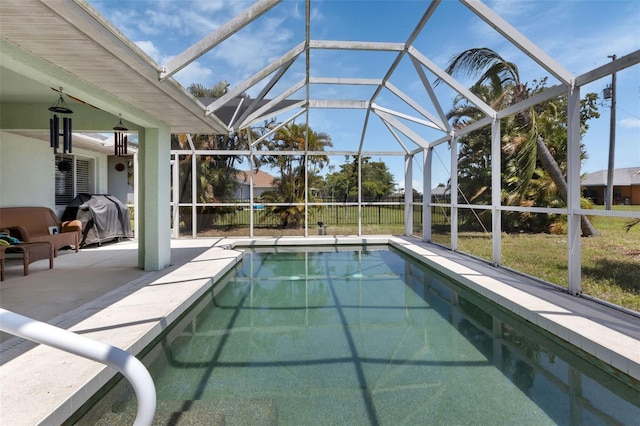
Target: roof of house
(621, 177)
(260, 179)
(440, 191)
(236, 107)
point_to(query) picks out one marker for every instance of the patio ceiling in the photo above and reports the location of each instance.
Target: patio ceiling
(47, 44)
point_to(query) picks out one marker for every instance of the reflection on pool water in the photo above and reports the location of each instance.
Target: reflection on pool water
(349, 336)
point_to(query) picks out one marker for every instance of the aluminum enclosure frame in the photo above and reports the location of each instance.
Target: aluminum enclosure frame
(391, 118)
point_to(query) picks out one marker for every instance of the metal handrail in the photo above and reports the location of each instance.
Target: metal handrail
(130, 367)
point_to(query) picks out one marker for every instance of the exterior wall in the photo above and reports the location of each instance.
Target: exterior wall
(635, 195)
(595, 193)
(27, 172)
(625, 195)
(242, 192)
(622, 194)
(119, 185)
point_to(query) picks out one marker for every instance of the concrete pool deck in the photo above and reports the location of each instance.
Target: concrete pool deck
(99, 293)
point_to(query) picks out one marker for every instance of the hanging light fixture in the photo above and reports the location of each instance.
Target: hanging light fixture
(60, 109)
(120, 139)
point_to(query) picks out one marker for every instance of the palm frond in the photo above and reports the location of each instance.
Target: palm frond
(631, 223)
(484, 62)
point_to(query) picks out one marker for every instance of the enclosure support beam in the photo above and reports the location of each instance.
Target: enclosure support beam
(403, 128)
(272, 82)
(271, 114)
(451, 82)
(454, 193)
(136, 194)
(437, 124)
(523, 43)
(194, 197)
(215, 38)
(275, 129)
(338, 104)
(408, 195)
(407, 117)
(359, 195)
(496, 225)
(432, 95)
(291, 55)
(348, 81)
(254, 116)
(573, 188)
(397, 138)
(618, 64)
(175, 207)
(307, 66)
(427, 155)
(251, 183)
(356, 45)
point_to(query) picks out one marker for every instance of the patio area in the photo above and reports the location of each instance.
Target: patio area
(61, 296)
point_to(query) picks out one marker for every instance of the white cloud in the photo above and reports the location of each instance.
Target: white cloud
(219, 6)
(630, 123)
(417, 185)
(578, 35)
(150, 49)
(249, 51)
(194, 73)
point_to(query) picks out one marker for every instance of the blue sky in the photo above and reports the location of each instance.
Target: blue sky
(580, 35)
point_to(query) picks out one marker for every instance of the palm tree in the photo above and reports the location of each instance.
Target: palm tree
(217, 174)
(290, 184)
(498, 83)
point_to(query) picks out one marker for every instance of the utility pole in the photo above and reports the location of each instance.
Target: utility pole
(612, 140)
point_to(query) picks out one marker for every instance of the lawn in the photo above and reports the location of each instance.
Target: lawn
(610, 261)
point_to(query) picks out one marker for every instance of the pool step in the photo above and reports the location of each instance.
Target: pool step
(204, 412)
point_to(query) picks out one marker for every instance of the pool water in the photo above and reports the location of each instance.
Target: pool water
(364, 336)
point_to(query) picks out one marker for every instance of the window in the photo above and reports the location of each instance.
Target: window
(72, 178)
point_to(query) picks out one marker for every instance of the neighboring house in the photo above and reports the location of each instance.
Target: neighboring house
(626, 186)
(440, 194)
(262, 181)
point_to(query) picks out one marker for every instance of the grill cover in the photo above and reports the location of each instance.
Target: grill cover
(103, 217)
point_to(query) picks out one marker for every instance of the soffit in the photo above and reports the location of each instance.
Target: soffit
(116, 75)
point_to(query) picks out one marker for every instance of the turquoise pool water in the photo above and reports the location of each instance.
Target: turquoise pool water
(325, 336)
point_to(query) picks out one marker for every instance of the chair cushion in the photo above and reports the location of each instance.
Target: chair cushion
(9, 239)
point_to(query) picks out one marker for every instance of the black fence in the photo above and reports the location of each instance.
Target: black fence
(329, 215)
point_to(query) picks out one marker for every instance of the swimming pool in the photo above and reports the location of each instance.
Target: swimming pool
(347, 336)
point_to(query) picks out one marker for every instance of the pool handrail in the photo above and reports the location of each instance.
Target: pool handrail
(128, 365)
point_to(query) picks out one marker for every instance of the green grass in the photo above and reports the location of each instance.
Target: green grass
(610, 261)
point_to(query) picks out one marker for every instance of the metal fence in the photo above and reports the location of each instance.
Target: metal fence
(329, 215)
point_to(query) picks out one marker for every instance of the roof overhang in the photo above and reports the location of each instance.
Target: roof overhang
(49, 44)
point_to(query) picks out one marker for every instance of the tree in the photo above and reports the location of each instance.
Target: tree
(217, 174)
(216, 91)
(289, 185)
(344, 183)
(528, 134)
(377, 180)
